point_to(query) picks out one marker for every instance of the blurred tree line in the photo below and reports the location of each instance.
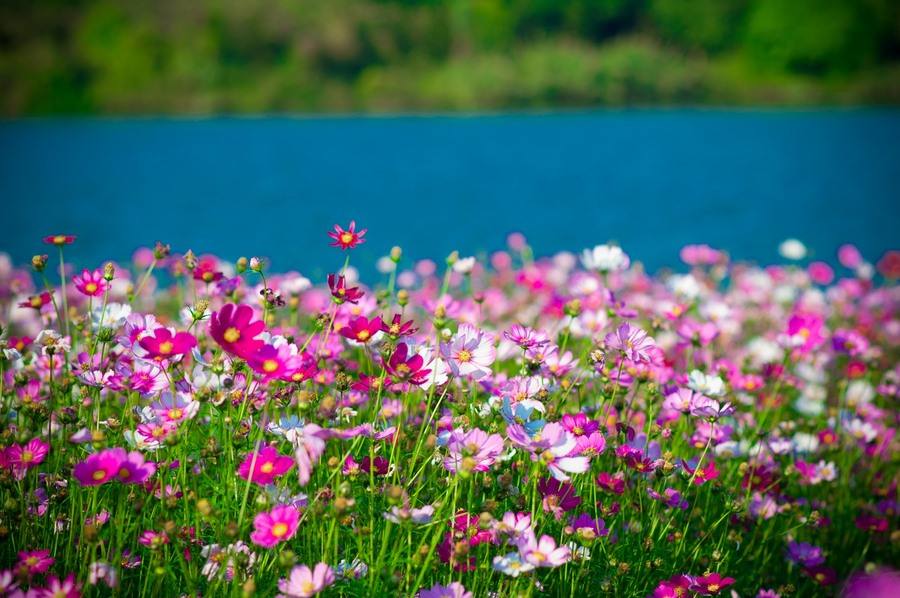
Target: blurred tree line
(211, 56)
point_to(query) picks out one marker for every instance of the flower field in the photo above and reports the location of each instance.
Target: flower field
(499, 426)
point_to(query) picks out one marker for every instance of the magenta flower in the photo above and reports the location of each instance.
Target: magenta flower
(278, 525)
(276, 362)
(98, 468)
(90, 283)
(59, 240)
(711, 584)
(347, 239)
(632, 342)
(268, 466)
(589, 446)
(579, 424)
(559, 497)
(340, 292)
(398, 328)
(475, 450)
(361, 329)
(235, 330)
(133, 469)
(407, 369)
(33, 562)
(163, 344)
(303, 582)
(31, 454)
(470, 352)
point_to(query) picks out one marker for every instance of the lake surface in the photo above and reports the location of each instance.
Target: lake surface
(651, 180)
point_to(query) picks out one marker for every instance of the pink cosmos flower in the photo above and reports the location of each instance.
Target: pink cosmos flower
(526, 338)
(361, 329)
(31, 454)
(558, 497)
(632, 342)
(553, 447)
(91, 284)
(268, 466)
(470, 352)
(820, 273)
(675, 587)
(309, 445)
(405, 368)
(849, 256)
(303, 582)
(62, 588)
(590, 445)
(454, 590)
(133, 469)
(33, 562)
(273, 362)
(347, 239)
(806, 331)
(235, 330)
(579, 424)
(98, 468)
(163, 344)
(474, 450)
(278, 525)
(543, 552)
(713, 583)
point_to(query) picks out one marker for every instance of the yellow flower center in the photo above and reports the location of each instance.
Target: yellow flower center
(463, 356)
(308, 587)
(232, 335)
(363, 335)
(175, 413)
(36, 302)
(538, 556)
(279, 530)
(347, 238)
(166, 347)
(98, 475)
(59, 239)
(27, 456)
(713, 587)
(124, 473)
(267, 467)
(270, 365)
(91, 287)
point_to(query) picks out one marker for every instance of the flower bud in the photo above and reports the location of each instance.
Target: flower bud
(39, 262)
(109, 271)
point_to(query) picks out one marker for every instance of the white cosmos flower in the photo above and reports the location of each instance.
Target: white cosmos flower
(709, 385)
(792, 249)
(605, 258)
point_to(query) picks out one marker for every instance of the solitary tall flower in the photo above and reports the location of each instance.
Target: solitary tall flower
(59, 240)
(235, 330)
(91, 284)
(303, 582)
(340, 292)
(278, 525)
(347, 239)
(470, 352)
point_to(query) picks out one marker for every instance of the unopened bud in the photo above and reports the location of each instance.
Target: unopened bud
(39, 262)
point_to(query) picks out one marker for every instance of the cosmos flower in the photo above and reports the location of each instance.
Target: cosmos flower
(341, 293)
(264, 466)
(235, 330)
(470, 353)
(34, 562)
(98, 468)
(278, 525)
(361, 329)
(347, 239)
(474, 450)
(631, 341)
(163, 344)
(90, 284)
(453, 590)
(59, 240)
(37, 301)
(543, 552)
(303, 582)
(526, 338)
(407, 368)
(605, 258)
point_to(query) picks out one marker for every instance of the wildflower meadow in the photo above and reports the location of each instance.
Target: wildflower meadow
(500, 425)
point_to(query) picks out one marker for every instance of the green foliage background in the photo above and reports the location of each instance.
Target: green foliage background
(221, 56)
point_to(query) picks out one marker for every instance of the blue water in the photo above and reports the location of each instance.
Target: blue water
(650, 180)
